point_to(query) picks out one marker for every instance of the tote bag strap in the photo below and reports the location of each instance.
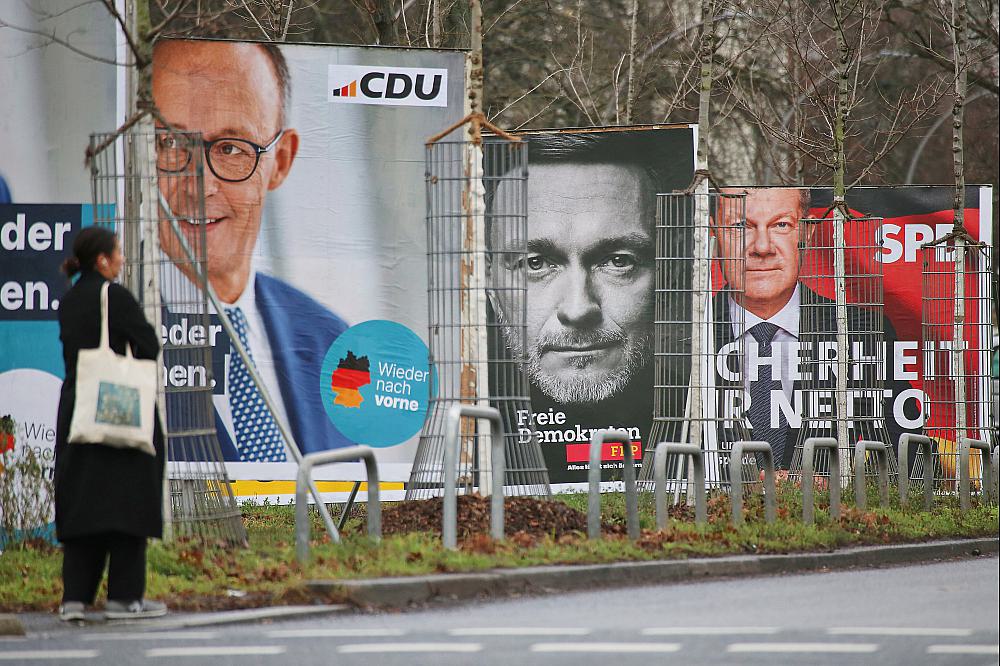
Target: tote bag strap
(105, 318)
(105, 343)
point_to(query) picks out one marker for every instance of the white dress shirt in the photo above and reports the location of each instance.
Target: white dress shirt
(784, 345)
(176, 288)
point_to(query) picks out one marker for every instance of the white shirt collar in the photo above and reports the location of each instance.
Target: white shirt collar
(248, 299)
(787, 319)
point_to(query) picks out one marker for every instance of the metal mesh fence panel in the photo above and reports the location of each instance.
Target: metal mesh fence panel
(957, 310)
(130, 180)
(476, 251)
(699, 383)
(843, 361)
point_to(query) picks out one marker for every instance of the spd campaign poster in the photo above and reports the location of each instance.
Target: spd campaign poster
(774, 335)
(315, 245)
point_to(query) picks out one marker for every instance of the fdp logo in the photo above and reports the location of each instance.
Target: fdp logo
(394, 86)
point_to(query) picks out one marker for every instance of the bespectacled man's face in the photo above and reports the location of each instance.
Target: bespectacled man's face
(222, 90)
(767, 241)
(589, 281)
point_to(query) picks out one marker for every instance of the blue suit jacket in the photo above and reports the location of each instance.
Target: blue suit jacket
(300, 331)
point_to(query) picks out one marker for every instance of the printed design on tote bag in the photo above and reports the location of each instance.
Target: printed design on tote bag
(118, 404)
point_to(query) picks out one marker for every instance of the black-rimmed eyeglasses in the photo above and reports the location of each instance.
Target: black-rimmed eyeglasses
(230, 159)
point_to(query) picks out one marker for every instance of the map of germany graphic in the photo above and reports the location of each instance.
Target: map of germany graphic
(351, 374)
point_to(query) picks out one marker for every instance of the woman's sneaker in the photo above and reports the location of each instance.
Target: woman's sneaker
(71, 611)
(126, 610)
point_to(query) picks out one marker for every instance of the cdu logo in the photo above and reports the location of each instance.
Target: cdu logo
(393, 86)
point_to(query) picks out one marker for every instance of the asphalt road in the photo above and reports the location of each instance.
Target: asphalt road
(943, 613)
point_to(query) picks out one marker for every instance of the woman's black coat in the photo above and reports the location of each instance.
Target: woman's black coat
(100, 488)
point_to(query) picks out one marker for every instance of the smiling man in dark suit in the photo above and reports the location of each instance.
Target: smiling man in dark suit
(788, 332)
(235, 95)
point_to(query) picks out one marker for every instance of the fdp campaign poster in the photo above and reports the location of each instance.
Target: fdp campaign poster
(590, 278)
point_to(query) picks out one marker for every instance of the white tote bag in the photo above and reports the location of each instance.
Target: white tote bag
(115, 395)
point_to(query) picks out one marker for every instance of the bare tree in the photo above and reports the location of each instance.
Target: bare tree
(826, 96)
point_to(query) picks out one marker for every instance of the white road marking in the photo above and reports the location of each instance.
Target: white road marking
(963, 649)
(333, 633)
(24, 655)
(408, 647)
(606, 647)
(217, 651)
(803, 647)
(519, 631)
(707, 631)
(153, 635)
(898, 631)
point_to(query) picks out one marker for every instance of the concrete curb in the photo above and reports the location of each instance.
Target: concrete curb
(403, 591)
(233, 617)
(49, 623)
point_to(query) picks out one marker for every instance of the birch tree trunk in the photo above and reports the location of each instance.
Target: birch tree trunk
(959, 12)
(839, 218)
(474, 347)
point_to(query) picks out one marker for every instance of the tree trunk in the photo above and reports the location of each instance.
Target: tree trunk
(382, 14)
(630, 96)
(839, 217)
(959, 18)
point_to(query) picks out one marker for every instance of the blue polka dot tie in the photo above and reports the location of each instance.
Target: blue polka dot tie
(257, 436)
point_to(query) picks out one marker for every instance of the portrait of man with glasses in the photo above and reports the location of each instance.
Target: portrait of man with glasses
(236, 95)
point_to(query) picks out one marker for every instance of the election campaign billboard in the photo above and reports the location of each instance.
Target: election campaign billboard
(585, 277)
(34, 241)
(315, 242)
(590, 274)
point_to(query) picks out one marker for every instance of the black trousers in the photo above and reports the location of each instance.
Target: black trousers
(84, 559)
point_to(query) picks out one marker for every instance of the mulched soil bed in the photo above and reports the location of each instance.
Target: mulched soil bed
(525, 515)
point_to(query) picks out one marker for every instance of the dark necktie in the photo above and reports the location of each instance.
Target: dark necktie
(760, 396)
(256, 433)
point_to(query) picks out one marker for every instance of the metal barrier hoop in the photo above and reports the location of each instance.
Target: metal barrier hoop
(881, 450)
(303, 481)
(925, 445)
(809, 476)
(449, 527)
(736, 480)
(594, 483)
(964, 480)
(694, 453)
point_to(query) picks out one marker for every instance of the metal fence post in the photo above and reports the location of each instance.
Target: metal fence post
(628, 477)
(449, 526)
(692, 452)
(964, 456)
(809, 477)
(304, 482)
(736, 480)
(881, 451)
(925, 446)
(995, 468)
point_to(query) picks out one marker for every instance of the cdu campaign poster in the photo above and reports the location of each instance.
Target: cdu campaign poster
(34, 241)
(315, 244)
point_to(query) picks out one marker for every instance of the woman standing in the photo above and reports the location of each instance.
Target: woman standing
(108, 500)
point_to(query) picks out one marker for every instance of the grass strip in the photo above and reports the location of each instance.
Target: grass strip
(191, 574)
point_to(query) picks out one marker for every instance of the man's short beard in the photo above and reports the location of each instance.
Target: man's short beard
(579, 389)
